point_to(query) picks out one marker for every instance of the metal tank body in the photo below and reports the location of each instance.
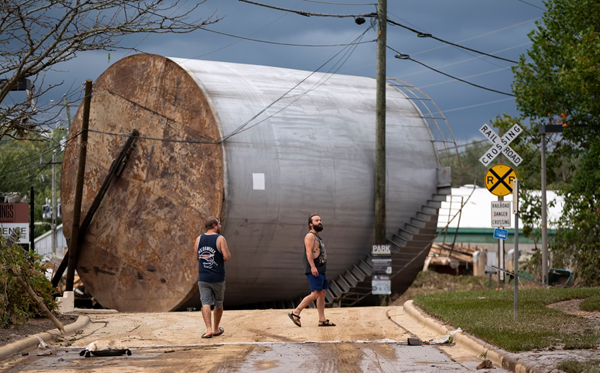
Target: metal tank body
(313, 151)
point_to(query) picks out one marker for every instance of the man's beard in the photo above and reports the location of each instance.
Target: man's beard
(218, 230)
(318, 228)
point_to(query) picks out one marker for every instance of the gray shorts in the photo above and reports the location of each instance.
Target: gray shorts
(212, 293)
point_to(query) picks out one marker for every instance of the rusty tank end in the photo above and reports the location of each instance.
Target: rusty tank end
(138, 253)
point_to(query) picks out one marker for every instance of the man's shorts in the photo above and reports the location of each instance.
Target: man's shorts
(212, 293)
(317, 283)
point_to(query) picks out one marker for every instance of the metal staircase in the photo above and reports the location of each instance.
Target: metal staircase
(410, 245)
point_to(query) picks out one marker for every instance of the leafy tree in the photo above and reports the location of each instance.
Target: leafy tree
(37, 35)
(561, 85)
(466, 168)
(25, 163)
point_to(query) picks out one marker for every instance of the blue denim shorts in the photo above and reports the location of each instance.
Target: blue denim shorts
(317, 283)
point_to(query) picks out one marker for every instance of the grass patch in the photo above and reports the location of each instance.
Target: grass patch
(489, 315)
(591, 304)
(573, 366)
(431, 282)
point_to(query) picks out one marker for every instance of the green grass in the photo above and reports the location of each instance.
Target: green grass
(573, 366)
(591, 304)
(489, 316)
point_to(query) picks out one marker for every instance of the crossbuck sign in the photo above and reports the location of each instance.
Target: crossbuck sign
(501, 144)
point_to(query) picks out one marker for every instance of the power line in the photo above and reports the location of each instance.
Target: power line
(478, 36)
(464, 77)
(235, 42)
(240, 128)
(535, 6)
(476, 105)
(286, 44)
(373, 15)
(325, 2)
(156, 138)
(466, 60)
(315, 86)
(244, 126)
(309, 14)
(8, 172)
(426, 35)
(407, 57)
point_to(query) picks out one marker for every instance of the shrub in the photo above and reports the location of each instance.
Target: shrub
(16, 307)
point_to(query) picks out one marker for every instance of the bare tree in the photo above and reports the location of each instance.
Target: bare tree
(36, 35)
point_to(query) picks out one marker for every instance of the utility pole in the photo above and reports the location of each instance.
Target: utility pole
(74, 244)
(54, 207)
(68, 110)
(380, 115)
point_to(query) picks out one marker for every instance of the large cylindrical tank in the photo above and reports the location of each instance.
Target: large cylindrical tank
(284, 157)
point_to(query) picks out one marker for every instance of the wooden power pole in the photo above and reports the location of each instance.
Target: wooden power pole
(380, 114)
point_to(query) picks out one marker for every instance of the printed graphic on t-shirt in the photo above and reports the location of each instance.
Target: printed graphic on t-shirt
(322, 258)
(206, 255)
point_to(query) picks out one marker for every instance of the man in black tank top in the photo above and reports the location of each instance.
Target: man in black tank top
(212, 253)
(315, 266)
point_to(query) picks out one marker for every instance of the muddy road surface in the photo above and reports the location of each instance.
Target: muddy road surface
(364, 340)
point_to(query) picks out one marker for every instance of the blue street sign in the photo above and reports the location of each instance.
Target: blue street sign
(500, 233)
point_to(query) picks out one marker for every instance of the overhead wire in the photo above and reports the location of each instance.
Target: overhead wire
(238, 41)
(309, 14)
(466, 60)
(11, 171)
(278, 43)
(315, 86)
(330, 3)
(463, 77)
(245, 124)
(535, 6)
(477, 37)
(427, 35)
(407, 57)
(477, 105)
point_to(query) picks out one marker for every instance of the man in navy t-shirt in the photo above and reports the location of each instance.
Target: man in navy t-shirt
(212, 253)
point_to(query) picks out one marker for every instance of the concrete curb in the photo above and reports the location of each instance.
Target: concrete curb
(18, 346)
(475, 345)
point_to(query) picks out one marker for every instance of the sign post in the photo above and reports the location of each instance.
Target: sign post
(382, 269)
(500, 147)
(516, 258)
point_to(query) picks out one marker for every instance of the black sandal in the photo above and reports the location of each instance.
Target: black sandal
(326, 323)
(295, 319)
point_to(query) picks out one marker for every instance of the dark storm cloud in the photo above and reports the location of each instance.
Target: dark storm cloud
(485, 23)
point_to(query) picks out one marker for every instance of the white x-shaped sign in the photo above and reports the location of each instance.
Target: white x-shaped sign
(501, 144)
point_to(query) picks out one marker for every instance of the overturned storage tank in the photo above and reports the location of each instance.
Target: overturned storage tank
(222, 139)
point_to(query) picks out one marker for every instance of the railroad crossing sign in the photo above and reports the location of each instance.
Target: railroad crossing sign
(499, 178)
(501, 144)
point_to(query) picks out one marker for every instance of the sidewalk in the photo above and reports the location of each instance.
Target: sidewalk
(533, 361)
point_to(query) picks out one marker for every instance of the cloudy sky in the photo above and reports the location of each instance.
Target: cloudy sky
(498, 27)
